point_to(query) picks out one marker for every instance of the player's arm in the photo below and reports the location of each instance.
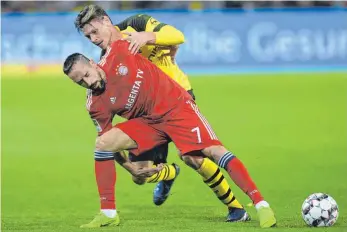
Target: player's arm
(150, 31)
(124, 161)
(157, 33)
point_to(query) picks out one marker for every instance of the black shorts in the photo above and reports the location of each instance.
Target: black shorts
(157, 155)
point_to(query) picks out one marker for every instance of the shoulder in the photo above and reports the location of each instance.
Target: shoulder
(137, 22)
(117, 46)
(120, 43)
(115, 54)
(128, 29)
(137, 18)
(94, 103)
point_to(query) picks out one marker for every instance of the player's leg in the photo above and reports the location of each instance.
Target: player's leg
(200, 136)
(165, 182)
(155, 156)
(164, 179)
(152, 158)
(105, 174)
(123, 137)
(149, 159)
(160, 153)
(185, 131)
(239, 174)
(213, 177)
(167, 173)
(114, 140)
(140, 164)
(149, 141)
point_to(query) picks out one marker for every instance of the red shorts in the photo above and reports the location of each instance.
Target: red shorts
(187, 128)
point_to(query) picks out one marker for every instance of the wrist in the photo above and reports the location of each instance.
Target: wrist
(150, 37)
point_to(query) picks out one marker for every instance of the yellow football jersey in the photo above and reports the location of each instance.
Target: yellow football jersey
(158, 54)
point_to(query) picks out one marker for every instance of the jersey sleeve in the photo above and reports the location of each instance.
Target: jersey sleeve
(166, 35)
(102, 121)
(101, 118)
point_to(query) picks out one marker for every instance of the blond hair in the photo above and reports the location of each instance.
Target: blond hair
(89, 13)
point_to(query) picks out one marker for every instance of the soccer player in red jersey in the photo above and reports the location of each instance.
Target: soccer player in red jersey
(157, 42)
(132, 87)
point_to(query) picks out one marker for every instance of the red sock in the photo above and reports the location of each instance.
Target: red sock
(105, 173)
(240, 176)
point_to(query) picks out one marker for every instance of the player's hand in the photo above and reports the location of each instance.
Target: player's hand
(137, 40)
(147, 172)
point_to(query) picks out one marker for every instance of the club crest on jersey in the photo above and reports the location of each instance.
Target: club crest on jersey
(153, 21)
(122, 70)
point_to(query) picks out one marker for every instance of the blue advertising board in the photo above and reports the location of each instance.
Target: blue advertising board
(216, 41)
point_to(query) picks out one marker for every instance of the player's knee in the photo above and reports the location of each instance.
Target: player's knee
(103, 143)
(124, 142)
(193, 162)
(139, 181)
(114, 140)
(214, 152)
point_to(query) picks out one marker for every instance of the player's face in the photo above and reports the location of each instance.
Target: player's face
(99, 32)
(89, 76)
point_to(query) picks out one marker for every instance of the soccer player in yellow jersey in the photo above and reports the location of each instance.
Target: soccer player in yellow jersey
(158, 42)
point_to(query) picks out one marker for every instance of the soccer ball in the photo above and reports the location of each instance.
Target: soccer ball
(320, 210)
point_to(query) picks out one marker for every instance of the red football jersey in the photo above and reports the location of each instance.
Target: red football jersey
(134, 88)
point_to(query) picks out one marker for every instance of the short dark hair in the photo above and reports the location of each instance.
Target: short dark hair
(71, 60)
(89, 13)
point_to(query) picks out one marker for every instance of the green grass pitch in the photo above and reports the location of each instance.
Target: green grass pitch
(290, 130)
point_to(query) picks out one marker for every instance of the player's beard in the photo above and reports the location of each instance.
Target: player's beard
(101, 89)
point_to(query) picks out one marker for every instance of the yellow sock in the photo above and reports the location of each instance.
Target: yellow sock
(214, 178)
(167, 173)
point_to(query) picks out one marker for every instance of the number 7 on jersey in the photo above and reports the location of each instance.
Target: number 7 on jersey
(197, 130)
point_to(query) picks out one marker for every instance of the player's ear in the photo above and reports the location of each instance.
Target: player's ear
(107, 21)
